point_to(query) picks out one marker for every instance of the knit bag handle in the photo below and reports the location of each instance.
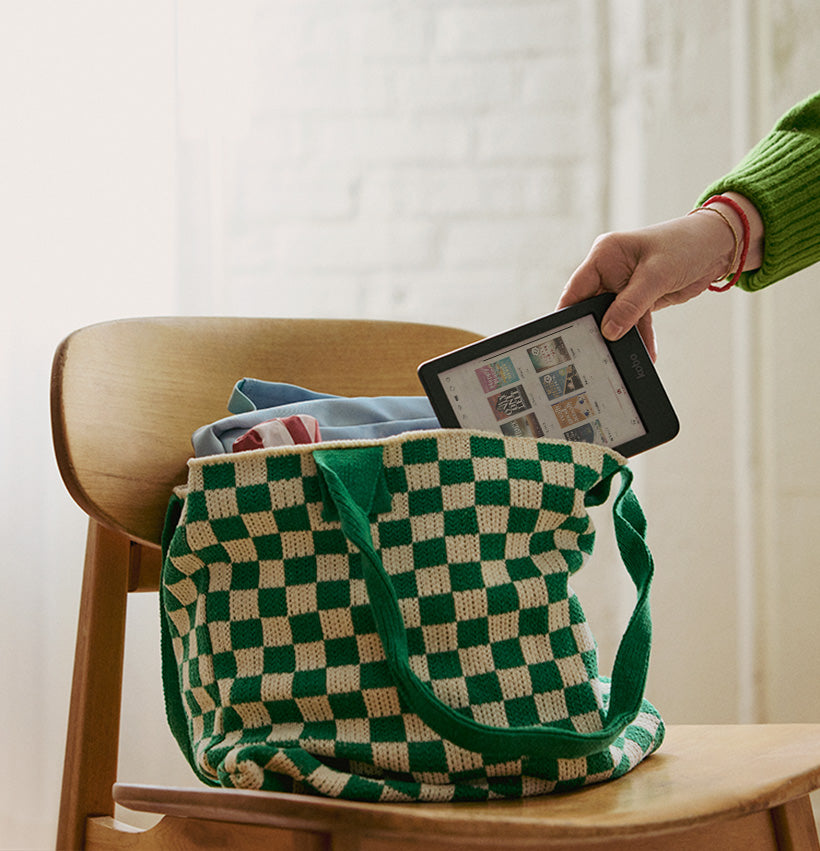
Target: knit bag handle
(353, 481)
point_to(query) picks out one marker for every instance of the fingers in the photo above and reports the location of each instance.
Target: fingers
(635, 301)
(607, 267)
(642, 268)
(647, 332)
(584, 283)
(622, 315)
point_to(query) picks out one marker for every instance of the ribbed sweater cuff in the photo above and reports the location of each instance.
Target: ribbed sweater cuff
(780, 176)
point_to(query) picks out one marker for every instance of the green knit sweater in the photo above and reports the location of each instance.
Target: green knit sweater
(781, 177)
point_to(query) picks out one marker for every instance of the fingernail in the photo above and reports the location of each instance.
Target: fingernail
(611, 331)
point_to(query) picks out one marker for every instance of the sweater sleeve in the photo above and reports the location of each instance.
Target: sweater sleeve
(781, 177)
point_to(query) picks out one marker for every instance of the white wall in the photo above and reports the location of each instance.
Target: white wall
(441, 160)
(681, 112)
(87, 232)
(426, 160)
(734, 500)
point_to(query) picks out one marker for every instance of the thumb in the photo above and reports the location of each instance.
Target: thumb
(625, 312)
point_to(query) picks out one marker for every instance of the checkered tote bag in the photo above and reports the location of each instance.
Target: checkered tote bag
(392, 620)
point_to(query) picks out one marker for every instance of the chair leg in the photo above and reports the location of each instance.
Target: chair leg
(90, 767)
(795, 827)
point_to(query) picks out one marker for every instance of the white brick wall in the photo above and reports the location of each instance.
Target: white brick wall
(507, 29)
(426, 160)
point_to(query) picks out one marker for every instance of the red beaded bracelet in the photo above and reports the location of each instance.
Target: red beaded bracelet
(746, 238)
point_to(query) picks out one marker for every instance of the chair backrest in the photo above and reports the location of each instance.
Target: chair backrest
(127, 395)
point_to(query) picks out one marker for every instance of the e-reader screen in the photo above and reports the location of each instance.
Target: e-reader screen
(556, 377)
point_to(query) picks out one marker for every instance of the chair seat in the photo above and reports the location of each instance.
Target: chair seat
(701, 776)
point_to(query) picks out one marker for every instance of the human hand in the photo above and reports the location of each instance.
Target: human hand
(651, 268)
(656, 266)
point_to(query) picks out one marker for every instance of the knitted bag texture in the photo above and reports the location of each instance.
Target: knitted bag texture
(392, 620)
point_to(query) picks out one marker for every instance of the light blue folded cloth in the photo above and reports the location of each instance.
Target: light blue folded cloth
(340, 417)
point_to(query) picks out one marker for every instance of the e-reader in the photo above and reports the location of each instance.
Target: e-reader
(555, 377)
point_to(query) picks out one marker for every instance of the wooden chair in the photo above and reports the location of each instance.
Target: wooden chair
(151, 382)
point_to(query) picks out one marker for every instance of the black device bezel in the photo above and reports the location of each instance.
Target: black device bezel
(629, 355)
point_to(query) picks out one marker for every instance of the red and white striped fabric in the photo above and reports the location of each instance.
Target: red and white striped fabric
(282, 431)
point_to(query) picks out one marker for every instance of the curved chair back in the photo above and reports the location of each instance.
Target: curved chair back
(127, 395)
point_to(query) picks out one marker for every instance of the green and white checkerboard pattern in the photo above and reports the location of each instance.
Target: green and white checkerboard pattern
(275, 674)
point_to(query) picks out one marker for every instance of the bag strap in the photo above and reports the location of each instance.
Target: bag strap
(364, 466)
